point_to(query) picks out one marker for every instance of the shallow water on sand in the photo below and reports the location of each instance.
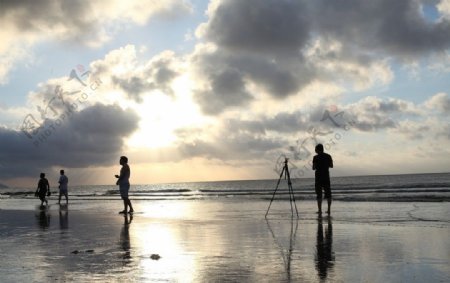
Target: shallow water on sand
(225, 241)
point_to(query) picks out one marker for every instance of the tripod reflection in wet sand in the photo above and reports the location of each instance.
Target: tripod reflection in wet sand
(286, 252)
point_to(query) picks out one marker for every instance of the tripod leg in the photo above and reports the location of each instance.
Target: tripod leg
(290, 198)
(291, 193)
(293, 198)
(276, 188)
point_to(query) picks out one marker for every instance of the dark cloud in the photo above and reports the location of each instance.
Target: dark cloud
(275, 27)
(157, 75)
(240, 139)
(372, 113)
(82, 21)
(228, 76)
(40, 16)
(278, 78)
(395, 28)
(374, 123)
(239, 146)
(91, 137)
(288, 122)
(133, 86)
(283, 123)
(283, 46)
(227, 90)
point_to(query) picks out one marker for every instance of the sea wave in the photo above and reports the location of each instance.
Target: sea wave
(393, 188)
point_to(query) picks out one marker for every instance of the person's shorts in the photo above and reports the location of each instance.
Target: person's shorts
(325, 186)
(42, 197)
(63, 191)
(124, 188)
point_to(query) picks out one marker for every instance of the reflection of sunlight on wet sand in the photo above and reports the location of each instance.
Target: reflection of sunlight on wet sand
(157, 236)
(175, 262)
(168, 210)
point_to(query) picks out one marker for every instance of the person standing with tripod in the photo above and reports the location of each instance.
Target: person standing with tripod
(321, 163)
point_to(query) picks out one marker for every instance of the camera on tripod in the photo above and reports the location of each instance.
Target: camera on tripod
(287, 175)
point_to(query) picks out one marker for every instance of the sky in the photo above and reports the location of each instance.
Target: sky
(196, 90)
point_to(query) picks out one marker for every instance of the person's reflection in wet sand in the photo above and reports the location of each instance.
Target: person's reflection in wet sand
(63, 217)
(43, 218)
(125, 238)
(324, 254)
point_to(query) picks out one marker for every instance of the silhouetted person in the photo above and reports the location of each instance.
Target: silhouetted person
(321, 163)
(123, 180)
(324, 249)
(63, 182)
(43, 189)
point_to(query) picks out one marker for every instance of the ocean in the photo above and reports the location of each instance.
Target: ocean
(387, 188)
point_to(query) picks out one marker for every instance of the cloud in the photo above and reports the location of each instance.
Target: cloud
(231, 79)
(397, 29)
(260, 138)
(121, 70)
(240, 146)
(373, 113)
(273, 28)
(156, 75)
(282, 122)
(439, 102)
(444, 8)
(227, 89)
(91, 137)
(8, 59)
(282, 47)
(413, 130)
(80, 22)
(425, 121)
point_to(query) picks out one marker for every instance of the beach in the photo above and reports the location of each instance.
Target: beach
(224, 240)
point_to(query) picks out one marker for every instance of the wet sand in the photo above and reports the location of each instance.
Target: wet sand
(224, 241)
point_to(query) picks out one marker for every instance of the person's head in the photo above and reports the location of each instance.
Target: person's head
(42, 175)
(123, 160)
(319, 148)
(61, 172)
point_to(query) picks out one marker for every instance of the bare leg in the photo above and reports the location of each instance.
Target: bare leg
(129, 204)
(319, 204)
(329, 205)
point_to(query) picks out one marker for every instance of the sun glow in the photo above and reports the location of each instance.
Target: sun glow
(162, 114)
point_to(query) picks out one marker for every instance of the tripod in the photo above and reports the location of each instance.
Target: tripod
(287, 176)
